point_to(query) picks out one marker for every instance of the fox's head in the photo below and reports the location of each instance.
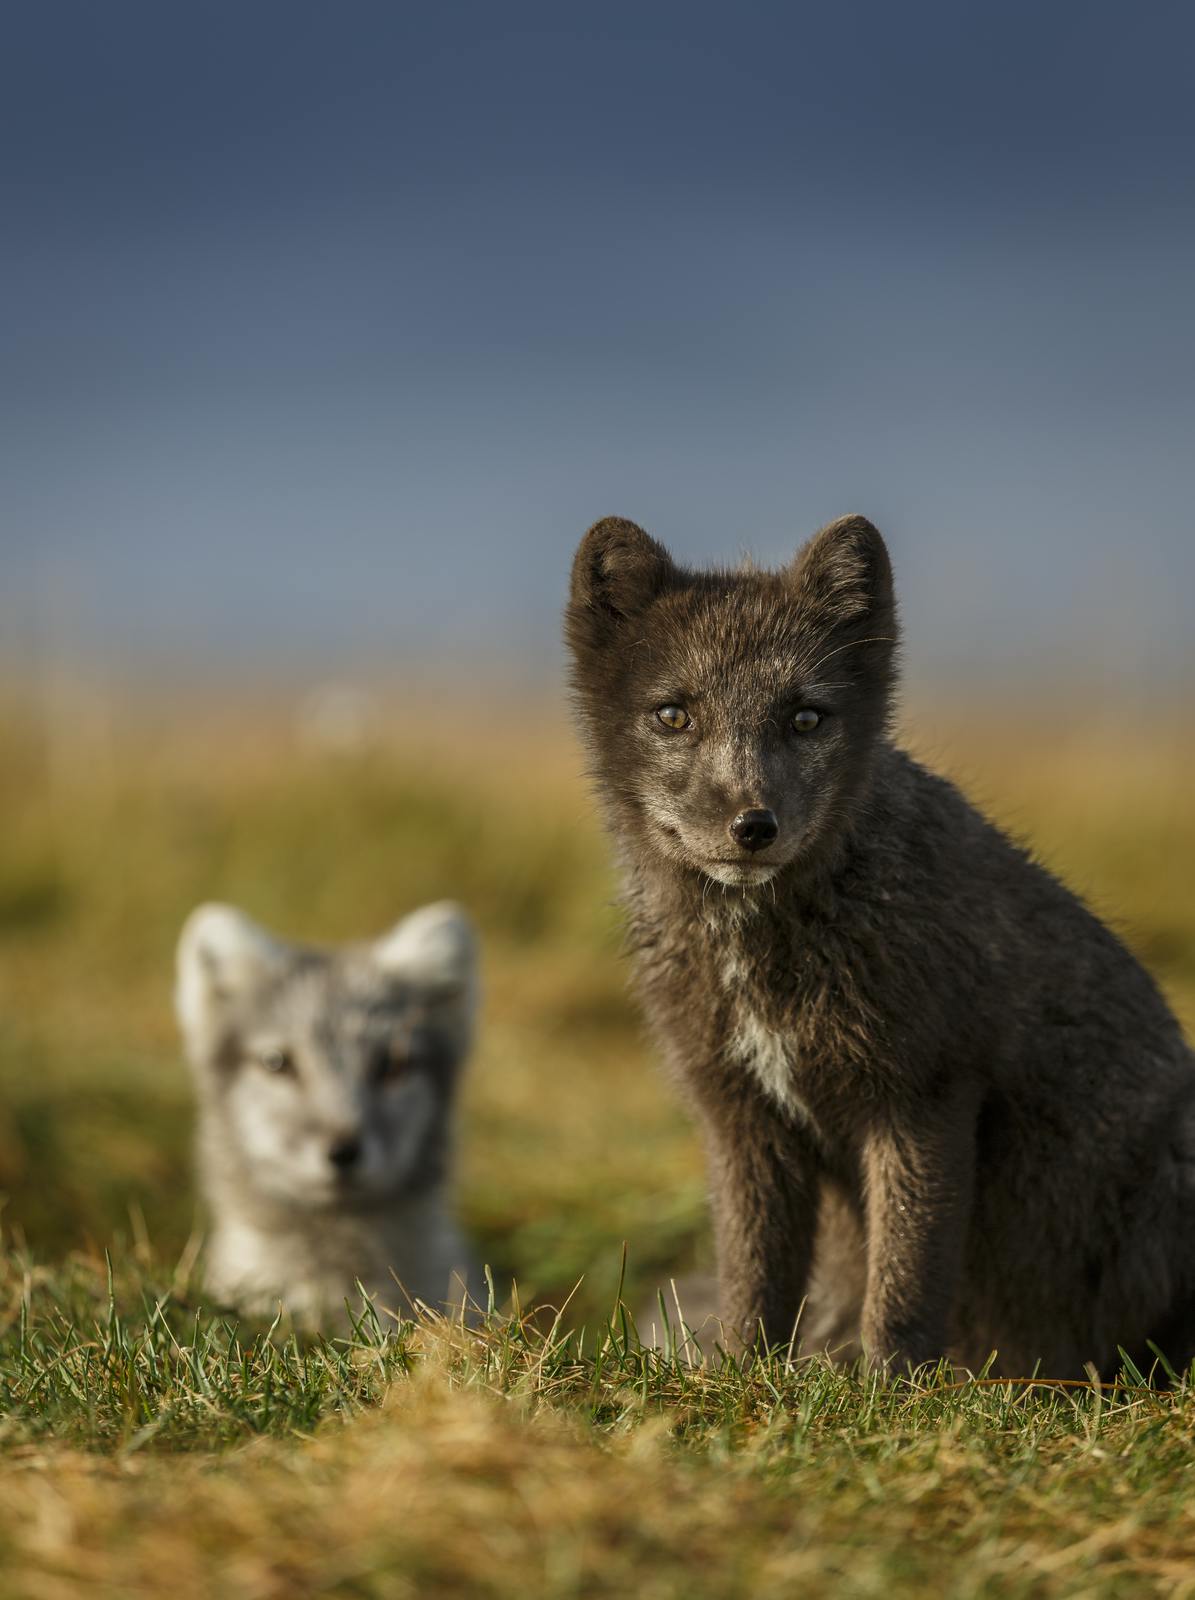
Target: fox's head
(327, 1076)
(732, 716)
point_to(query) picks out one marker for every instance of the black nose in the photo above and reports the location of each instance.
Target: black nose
(754, 830)
(344, 1153)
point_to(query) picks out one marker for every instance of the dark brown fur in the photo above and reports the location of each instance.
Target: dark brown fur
(910, 1026)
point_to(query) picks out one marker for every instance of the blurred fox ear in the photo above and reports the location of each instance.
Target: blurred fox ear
(435, 948)
(617, 571)
(222, 953)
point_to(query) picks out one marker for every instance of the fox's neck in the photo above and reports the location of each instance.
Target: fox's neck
(331, 1230)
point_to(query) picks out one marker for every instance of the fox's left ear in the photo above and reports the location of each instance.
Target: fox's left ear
(435, 948)
(843, 581)
(844, 572)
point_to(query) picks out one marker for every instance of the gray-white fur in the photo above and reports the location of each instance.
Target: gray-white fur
(325, 1082)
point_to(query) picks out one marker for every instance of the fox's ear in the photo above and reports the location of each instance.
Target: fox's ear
(843, 580)
(222, 953)
(844, 571)
(436, 948)
(617, 571)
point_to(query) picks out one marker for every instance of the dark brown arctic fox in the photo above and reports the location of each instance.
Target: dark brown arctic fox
(910, 1050)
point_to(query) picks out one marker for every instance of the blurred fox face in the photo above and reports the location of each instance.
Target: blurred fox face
(732, 716)
(331, 1074)
(335, 1095)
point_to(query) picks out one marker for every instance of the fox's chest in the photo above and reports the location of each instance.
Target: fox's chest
(771, 1060)
(792, 1036)
(762, 1040)
(767, 1002)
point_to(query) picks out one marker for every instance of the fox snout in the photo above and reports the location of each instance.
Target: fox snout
(344, 1152)
(754, 829)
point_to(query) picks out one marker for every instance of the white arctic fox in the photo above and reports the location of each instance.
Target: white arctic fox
(325, 1082)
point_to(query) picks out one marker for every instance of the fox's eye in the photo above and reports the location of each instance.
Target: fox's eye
(280, 1063)
(388, 1064)
(674, 717)
(806, 720)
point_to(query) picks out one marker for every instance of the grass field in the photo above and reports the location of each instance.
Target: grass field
(147, 1446)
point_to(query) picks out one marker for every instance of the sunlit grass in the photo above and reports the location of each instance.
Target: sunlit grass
(144, 1439)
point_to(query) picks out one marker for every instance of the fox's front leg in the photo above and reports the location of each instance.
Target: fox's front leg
(764, 1194)
(918, 1167)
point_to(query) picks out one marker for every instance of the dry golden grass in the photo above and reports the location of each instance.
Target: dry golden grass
(448, 1488)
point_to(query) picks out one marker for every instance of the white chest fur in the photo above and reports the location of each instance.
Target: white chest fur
(769, 1056)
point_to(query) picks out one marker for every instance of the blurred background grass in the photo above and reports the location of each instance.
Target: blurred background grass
(113, 826)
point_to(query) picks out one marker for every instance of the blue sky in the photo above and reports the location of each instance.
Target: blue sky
(329, 328)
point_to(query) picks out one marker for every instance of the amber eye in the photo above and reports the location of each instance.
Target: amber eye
(278, 1062)
(388, 1064)
(806, 720)
(674, 717)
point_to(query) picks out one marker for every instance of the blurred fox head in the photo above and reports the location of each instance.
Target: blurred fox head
(326, 1078)
(732, 716)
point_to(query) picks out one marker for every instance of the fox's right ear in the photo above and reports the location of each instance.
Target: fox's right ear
(618, 570)
(222, 953)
